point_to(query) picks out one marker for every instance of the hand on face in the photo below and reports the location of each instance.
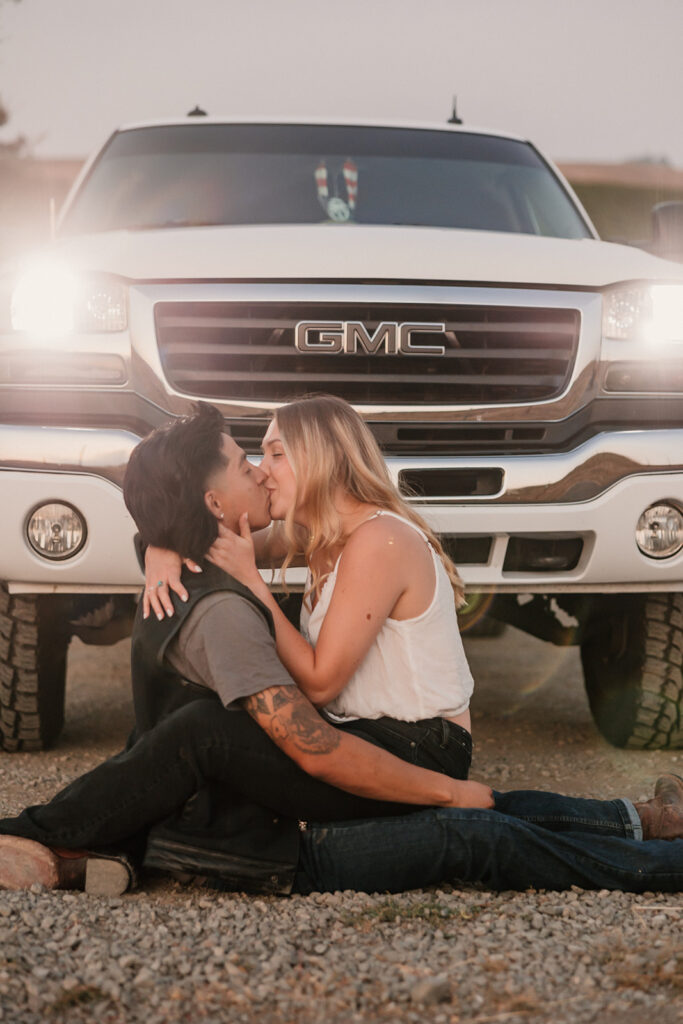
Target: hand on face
(234, 553)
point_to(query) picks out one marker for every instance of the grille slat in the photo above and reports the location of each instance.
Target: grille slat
(239, 351)
(355, 378)
(215, 323)
(225, 348)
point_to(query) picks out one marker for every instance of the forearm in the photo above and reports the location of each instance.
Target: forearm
(365, 770)
(349, 762)
(341, 759)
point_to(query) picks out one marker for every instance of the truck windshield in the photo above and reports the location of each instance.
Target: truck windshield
(209, 174)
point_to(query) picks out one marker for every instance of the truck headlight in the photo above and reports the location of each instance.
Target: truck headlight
(56, 530)
(643, 312)
(49, 301)
(659, 533)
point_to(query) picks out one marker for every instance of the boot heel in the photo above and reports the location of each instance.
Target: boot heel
(106, 877)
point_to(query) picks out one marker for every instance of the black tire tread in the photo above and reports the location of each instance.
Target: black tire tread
(33, 649)
(645, 681)
(662, 676)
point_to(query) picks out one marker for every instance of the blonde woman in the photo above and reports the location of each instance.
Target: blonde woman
(379, 648)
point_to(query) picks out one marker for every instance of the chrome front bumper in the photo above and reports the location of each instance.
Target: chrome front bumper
(596, 491)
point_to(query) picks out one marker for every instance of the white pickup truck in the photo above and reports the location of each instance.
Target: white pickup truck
(524, 379)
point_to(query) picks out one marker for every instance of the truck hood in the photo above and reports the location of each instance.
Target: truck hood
(358, 252)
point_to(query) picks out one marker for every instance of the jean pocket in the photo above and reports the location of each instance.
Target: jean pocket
(452, 758)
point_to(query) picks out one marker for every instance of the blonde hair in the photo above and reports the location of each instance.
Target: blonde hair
(329, 447)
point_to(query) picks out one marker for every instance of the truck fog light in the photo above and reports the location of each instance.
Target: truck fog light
(56, 530)
(659, 533)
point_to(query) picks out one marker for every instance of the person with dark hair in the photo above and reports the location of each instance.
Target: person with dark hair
(167, 476)
(223, 766)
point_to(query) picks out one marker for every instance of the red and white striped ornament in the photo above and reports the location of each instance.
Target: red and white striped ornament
(321, 181)
(351, 182)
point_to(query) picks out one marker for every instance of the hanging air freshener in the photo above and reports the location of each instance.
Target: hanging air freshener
(336, 208)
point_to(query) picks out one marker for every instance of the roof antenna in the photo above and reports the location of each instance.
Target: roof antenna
(197, 112)
(454, 119)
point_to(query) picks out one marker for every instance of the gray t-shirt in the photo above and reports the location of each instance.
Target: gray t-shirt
(225, 644)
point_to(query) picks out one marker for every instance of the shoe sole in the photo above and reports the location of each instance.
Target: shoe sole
(24, 863)
(106, 877)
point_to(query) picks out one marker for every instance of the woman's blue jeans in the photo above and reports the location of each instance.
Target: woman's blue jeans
(544, 841)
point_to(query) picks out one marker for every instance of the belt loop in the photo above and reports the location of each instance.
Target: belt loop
(444, 732)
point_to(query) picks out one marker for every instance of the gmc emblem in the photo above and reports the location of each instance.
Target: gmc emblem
(353, 337)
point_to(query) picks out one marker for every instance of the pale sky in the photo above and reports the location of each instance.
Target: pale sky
(584, 79)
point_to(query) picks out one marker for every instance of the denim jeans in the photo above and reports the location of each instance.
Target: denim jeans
(201, 742)
(544, 841)
(432, 743)
(538, 839)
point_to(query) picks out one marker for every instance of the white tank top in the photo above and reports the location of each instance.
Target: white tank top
(415, 669)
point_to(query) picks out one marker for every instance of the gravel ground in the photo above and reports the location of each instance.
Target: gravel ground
(171, 953)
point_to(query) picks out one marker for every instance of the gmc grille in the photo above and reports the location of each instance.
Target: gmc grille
(238, 351)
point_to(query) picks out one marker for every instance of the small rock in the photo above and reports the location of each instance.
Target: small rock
(430, 991)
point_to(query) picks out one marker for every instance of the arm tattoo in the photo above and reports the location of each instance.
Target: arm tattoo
(281, 698)
(260, 704)
(290, 719)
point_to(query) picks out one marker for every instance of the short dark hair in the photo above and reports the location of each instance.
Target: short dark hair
(166, 479)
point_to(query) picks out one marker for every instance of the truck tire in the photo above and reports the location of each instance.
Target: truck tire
(632, 672)
(33, 649)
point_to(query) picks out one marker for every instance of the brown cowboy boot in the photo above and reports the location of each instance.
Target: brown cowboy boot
(662, 817)
(24, 863)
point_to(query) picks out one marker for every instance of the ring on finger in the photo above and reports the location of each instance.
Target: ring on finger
(160, 583)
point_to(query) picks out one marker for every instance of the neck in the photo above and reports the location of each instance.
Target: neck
(234, 527)
(352, 514)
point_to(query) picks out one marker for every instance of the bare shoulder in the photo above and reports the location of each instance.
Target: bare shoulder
(385, 536)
